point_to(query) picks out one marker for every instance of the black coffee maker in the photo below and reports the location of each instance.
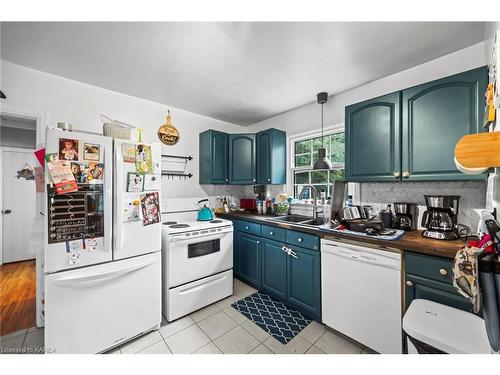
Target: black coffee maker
(406, 216)
(440, 219)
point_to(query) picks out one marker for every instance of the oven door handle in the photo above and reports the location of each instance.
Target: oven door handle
(183, 238)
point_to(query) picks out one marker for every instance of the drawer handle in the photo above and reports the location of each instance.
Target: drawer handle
(443, 272)
(271, 233)
(246, 227)
(300, 239)
(409, 283)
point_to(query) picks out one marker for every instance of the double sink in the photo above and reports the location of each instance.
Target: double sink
(299, 220)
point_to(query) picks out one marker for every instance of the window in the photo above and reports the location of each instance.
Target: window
(306, 152)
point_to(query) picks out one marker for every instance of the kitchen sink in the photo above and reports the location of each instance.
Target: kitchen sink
(291, 218)
(314, 222)
(299, 219)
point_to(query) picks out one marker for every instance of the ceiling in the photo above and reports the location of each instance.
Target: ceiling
(240, 72)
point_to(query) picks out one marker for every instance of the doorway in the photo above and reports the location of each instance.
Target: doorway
(20, 217)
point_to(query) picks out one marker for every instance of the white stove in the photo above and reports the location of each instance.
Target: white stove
(183, 226)
(197, 259)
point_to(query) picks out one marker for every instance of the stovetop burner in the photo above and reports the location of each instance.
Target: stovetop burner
(170, 222)
(215, 221)
(179, 226)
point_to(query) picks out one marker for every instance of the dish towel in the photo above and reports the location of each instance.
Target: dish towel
(465, 274)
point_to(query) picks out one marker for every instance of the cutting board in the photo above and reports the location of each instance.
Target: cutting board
(479, 150)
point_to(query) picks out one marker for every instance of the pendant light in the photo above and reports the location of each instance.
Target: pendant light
(322, 162)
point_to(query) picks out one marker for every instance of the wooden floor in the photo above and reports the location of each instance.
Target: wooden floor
(17, 296)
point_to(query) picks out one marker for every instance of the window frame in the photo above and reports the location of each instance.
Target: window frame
(333, 129)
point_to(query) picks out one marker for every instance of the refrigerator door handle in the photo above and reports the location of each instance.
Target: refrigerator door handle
(68, 281)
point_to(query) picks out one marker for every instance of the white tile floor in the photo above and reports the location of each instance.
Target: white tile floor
(215, 329)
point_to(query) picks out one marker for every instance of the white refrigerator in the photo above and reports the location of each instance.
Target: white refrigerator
(102, 255)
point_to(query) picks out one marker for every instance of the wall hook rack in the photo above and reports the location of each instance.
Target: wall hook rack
(177, 157)
(173, 174)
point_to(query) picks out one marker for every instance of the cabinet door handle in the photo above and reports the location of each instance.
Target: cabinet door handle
(396, 174)
(253, 180)
(258, 242)
(409, 283)
(443, 272)
(268, 179)
(227, 179)
(406, 174)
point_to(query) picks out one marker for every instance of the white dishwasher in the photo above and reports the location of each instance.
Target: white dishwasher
(361, 294)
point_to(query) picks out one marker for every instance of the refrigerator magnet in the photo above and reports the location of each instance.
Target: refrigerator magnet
(128, 153)
(132, 208)
(152, 182)
(74, 246)
(73, 258)
(143, 159)
(94, 244)
(95, 173)
(91, 152)
(150, 204)
(135, 182)
(68, 149)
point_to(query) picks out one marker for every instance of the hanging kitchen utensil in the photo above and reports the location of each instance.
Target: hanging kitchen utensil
(478, 151)
(168, 133)
(489, 110)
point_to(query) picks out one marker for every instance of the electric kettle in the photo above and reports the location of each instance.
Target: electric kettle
(204, 213)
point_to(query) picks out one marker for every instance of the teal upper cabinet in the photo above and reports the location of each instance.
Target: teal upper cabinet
(242, 159)
(435, 116)
(373, 139)
(411, 135)
(271, 157)
(214, 157)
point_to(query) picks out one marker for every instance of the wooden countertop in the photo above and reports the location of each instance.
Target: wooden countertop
(410, 241)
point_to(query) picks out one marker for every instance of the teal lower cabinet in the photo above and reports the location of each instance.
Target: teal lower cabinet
(247, 258)
(304, 281)
(261, 260)
(274, 265)
(429, 277)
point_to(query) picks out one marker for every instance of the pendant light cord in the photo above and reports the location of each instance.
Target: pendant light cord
(322, 138)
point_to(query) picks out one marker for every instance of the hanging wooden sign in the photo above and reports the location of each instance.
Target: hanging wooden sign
(167, 133)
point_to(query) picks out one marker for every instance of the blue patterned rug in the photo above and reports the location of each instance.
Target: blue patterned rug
(280, 321)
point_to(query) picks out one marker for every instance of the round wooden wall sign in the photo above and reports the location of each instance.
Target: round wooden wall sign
(168, 133)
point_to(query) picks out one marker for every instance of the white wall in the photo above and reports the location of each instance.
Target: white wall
(307, 118)
(80, 104)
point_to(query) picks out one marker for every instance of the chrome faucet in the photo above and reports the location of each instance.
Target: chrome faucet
(314, 196)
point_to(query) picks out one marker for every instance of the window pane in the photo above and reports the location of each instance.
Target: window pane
(320, 188)
(303, 160)
(298, 189)
(303, 147)
(337, 174)
(301, 178)
(317, 143)
(319, 177)
(337, 148)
